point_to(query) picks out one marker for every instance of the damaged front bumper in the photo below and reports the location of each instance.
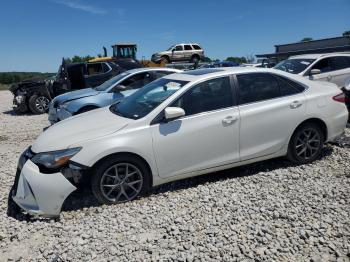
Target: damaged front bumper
(41, 194)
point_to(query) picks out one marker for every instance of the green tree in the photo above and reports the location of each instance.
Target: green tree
(239, 60)
(206, 59)
(346, 33)
(306, 39)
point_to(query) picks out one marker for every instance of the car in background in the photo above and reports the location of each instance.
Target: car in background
(220, 64)
(189, 52)
(35, 94)
(181, 125)
(111, 91)
(333, 68)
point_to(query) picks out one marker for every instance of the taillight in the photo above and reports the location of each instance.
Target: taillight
(340, 98)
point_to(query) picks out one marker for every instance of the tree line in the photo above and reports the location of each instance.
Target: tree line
(7, 78)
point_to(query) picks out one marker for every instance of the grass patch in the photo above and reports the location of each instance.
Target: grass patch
(4, 87)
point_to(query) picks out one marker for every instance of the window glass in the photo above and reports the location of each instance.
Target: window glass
(196, 47)
(257, 87)
(144, 100)
(339, 62)
(159, 74)
(111, 82)
(178, 48)
(289, 87)
(294, 66)
(94, 69)
(188, 47)
(207, 96)
(137, 81)
(105, 68)
(323, 65)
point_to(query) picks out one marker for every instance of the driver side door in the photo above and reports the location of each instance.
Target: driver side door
(207, 136)
(177, 53)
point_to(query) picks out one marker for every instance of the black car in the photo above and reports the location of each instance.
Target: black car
(35, 94)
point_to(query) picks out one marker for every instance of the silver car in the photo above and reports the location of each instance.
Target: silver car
(111, 91)
(190, 52)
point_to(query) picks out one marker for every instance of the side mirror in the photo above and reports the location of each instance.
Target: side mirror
(173, 50)
(315, 72)
(119, 88)
(173, 113)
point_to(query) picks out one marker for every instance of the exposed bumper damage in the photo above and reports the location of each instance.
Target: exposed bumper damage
(41, 194)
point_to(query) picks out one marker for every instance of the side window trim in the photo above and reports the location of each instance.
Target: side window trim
(109, 68)
(279, 87)
(158, 119)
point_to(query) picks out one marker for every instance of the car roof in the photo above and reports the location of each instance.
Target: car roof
(316, 56)
(148, 69)
(198, 74)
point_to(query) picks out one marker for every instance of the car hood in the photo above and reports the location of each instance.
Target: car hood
(83, 127)
(75, 95)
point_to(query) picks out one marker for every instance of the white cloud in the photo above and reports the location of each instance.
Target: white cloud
(75, 4)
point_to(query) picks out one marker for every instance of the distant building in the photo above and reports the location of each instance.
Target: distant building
(327, 45)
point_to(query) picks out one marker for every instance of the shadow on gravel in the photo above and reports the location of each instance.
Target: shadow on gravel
(83, 197)
(13, 113)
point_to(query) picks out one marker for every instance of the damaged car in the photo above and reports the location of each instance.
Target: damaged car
(178, 126)
(34, 95)
(111, 91)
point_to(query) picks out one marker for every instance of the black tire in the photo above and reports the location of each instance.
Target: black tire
(12, 208)
(38, 104)
(100, 176)
(85, 109)
(166, 59)
(195, 59)
(306, 144)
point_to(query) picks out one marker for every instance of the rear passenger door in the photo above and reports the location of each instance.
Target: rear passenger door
(341, 70)
(270, 108)
(188, 52)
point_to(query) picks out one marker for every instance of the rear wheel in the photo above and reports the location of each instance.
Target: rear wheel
(306, 144)
(195, 59)
(120, 179)
(38, 104)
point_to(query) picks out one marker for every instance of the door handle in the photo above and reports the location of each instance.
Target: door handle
(295, 104)
(229, 120)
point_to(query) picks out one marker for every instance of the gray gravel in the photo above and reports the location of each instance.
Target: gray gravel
(266, 211)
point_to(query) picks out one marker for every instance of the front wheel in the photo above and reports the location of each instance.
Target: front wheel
(38, 104)
(306, 144)
(120, 179)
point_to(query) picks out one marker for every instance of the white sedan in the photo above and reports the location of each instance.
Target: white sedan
(179, 126)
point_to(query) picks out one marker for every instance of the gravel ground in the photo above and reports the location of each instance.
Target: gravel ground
(266, 211)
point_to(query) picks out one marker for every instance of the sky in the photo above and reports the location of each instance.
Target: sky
(36, 34)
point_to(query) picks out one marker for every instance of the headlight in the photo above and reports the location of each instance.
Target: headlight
(55, 159)
(19, 99)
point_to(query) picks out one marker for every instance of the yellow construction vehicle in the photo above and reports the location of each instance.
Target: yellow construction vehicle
(126, 51)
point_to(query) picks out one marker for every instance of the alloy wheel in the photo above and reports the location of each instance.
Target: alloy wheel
(121, 182)
(308, 143)
(42, 103)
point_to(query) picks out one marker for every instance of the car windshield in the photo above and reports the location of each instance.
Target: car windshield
(294, 66)
(171, 48)
(111, 81)
(143, 101)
